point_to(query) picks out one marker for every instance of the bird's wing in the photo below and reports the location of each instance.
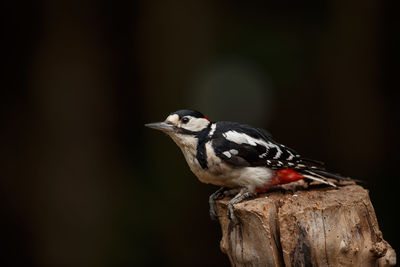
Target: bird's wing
(243, 145)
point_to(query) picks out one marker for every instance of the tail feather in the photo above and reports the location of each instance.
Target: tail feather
(321, 180)
(317, 168)
(323, 176)
(331, 175)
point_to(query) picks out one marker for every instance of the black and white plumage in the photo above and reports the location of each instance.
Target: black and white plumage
(234, 155)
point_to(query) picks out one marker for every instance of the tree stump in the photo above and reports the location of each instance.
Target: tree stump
(319, 226)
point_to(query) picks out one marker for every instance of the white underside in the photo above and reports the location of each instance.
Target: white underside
(218, 172)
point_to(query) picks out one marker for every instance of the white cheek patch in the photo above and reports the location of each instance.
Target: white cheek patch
(195, 124)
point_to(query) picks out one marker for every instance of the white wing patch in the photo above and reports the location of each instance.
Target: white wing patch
(231, 152)
(234, 151)
(227, 154)
(278, 149)
(239, 138)
(291, 156)
(242, 138)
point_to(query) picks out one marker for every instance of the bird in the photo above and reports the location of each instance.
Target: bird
(237, 157)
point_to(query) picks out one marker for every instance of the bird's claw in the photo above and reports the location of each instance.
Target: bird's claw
(216, 195)
(237, 199)
(232, 216)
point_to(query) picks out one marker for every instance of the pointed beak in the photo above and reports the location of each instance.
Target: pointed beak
(161, 126)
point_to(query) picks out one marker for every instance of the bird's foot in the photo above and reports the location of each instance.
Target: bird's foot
(237, 199)
(215, 196)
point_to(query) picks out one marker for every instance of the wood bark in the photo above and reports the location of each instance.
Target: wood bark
(318, 226)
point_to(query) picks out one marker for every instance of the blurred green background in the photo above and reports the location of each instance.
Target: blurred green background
(85, 184)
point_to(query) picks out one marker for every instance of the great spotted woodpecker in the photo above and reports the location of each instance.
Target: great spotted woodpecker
(237, 156)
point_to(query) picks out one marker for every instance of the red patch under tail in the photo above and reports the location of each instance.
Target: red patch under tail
(281, 177)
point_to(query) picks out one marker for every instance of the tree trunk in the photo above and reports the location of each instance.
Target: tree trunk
(320, 226)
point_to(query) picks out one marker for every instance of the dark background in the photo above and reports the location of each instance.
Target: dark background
(84, 183)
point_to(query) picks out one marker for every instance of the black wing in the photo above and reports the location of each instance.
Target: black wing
(243, 145)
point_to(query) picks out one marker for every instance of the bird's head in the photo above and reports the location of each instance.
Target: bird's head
(181, 124)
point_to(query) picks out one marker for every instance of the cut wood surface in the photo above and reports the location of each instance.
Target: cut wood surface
(318, 226)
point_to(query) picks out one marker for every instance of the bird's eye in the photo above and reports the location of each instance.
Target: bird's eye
(185, 120)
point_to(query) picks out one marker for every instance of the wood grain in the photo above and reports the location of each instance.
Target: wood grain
(318, 226)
